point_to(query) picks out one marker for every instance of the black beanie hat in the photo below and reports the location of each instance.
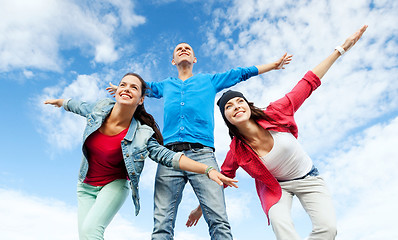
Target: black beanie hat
(228, 95)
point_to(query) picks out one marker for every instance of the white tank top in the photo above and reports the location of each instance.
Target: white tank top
(287, 160)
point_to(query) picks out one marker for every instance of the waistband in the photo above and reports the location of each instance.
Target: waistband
(184, 146)
(313, 172)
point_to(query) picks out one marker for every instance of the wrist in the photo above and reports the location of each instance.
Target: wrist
(340, 49)
(208, 169)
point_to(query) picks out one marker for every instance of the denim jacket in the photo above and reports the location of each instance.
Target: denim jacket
(137, 145)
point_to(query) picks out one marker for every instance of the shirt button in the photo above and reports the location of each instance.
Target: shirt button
(127, 155)
(142, 156)
(182, 103)
(182, 116)
(180, 139)
(125, 142)
(133, 173)
(182, 128)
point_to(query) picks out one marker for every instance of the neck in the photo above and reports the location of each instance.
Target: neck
(121, 115)
(250, 131)
(185, 71)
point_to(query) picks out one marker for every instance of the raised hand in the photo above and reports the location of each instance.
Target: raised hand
(284, 60)
(353, 38)
(111, 89)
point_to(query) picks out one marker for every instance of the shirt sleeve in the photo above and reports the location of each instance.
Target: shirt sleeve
(155, 89)
(229, 167)
(228, 79)
(292, 101)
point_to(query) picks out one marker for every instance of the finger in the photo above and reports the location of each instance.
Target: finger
(196, 222)
(218, 180)
(233, 185)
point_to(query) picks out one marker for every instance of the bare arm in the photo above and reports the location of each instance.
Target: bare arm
(321, 69)
(188, 164)
(279, 64)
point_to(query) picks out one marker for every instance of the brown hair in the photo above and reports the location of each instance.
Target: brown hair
(256, 114)
(141, 114)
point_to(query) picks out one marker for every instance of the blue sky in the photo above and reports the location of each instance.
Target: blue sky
(62, 49)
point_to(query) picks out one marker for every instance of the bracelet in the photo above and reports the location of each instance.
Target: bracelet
(340, 49)
(208, 169)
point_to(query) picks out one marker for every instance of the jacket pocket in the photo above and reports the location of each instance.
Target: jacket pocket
(139, 159)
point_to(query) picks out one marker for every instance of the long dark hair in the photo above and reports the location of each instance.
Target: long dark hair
(256, 114)
(141, 114)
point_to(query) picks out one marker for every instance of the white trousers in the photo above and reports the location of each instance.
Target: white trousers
(316, 200)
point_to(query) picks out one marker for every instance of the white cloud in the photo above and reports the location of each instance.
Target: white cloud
(34, 32)
(28, 217)
(338, 121)
(64, 129)
(357, 90)
(363, 183)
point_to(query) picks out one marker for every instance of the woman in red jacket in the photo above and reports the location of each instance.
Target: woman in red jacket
(264, 144)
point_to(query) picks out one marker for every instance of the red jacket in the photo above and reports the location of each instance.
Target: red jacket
(241, 155)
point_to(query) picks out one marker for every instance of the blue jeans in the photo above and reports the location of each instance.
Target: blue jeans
(98, 205)
(169, 185)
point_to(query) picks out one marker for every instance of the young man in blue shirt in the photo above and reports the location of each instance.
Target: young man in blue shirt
(189, 128)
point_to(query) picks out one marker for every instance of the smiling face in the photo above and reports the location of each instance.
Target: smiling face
(183, 52)
(129, 91)
(237, 111)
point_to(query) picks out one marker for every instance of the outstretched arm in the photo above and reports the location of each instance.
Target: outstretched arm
(188, 164)
(324, 66)
(279, 64)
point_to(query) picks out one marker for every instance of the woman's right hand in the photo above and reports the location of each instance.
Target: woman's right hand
(111, 89)
(54, 102)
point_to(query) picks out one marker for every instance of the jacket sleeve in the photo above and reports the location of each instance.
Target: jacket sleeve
(162, 155)
(230, 165)
(78, 107)
(292, 101)
(155, 89)
(228, 79)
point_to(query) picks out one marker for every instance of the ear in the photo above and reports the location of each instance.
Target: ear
(195, 60)
(141, 101)
(173, 62)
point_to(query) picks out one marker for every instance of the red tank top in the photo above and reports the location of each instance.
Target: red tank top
(105, 158)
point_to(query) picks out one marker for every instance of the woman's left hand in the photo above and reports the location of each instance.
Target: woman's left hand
(220, 179)
(354, 38)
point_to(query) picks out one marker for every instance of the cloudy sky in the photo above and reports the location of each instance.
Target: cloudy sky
(72, 49)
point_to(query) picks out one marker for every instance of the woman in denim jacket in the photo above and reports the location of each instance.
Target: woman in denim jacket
(264, 143)
(117, 139)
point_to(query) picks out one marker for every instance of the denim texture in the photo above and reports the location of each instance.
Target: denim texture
(137, 145)
(169, 186)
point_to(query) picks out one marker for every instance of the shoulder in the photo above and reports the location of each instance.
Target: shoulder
(105, 102)
(143, 128)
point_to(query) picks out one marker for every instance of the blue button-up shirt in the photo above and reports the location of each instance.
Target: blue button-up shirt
(189, 104)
